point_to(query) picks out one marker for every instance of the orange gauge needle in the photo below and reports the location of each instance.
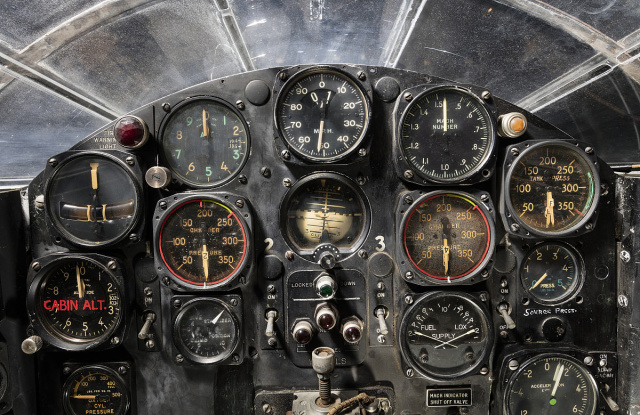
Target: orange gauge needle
(94, 175)
(80, 283)
(548, 209)
(205, 262)
(84, 396)
(205, 126)
(538, 282)
(445, 255)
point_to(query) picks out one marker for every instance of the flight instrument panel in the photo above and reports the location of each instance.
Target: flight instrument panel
(320, 239)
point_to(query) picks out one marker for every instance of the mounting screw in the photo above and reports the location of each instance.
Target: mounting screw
(363, 254)
(286, 182)
(272, 342)
(163, 205)
(515, 227)
(234, 302)
(408, 299)
(166, 107)
(588, 361)
(235, 357)
(179, 358)
(266, 408)
(588, 226)
(265, 171)
(362, 76)
(35, 266)
(381, 286)
(148, 291)
(408, 199)
(514, 365)
(362, 152)
(484, 273)
(483, 297)
(112, 264)
(410, 372)
(239, 105)
(122, 370)
(408, 275)
(360, 180)
(130, 160)
(381, 339)
(484, 370)
(177, 303)
(408, 96)
(285, 154)
(133, 237)
(484, 197)
(588, 150)
(283, 76)
(625, 256)
(165, 281)
(242, 179)
(515, 151)
(271, 288)
(623, 301)
(408, 174)
(115, 340)
(240, 203)
(289, 255)
(150, 344)
(486, 95)
(66, 370)
(504, 334)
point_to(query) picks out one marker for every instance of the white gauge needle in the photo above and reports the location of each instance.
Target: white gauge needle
(456, 338)
(538, 282)
(444, 113)
(432, 338)
(556, 378)
(94, 175)
(320, 135)
(215, 320)
(205, 262)
(80, 283)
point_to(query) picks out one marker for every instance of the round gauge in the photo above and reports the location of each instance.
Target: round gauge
(322, 115)
(77, 300)
(205, 142)
(445, 335)
(446, 135)
(206, 330)
(203, 243)
(324, 208)
(552, 273)
(553, 188)
(93, 200)
(552, 385)
(95, 390)
(448, 236)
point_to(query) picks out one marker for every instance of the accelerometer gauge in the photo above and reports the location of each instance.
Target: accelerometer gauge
(93, 200)
(322, 114)
(445, 335)
(76, 302)
(324, 208)
(447, 236)
(205, 142)
(203, 242)
(553, 385)
(446, 135)
(206, 330)
(552, 188)
(552, 273)
(93, 390)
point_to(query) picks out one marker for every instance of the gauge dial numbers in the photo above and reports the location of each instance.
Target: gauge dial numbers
(446, 135)
(95, 389)
(206, 331)
(93, 200)
(448, 237)
(203, 243)
(324, 208)
(322, 115)
(77, 301)
(205, 142)
(553, 385)
(445, 335)
(552, 273)
(552, 188)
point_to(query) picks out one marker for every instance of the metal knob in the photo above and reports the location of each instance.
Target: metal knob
(381, 313)
(32, 344)
(149, 318)
(271, 315)
(323, 361)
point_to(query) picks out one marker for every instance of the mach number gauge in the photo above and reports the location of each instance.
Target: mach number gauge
(551, 189)
(447, 237)
(551, 385)
(202, 242)
(76, 302)
(205, 142)
(95, 390)
(322, 114)
(446, 135)
(445, 335)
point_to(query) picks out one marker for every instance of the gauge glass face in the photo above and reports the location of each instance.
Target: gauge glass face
(203, 243)
(79, 301)
(325, 209)
(322, 115)
(206, 331)
(551, 273)
(445, 335)
(448, 236)
(451, 150)
(552, 188)
(205, 143)
(95, 390)
(552, 385)
(92, 200)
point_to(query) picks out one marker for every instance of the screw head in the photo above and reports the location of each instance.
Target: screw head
(486, 95)
(588, 150)
(265, 171)
(289, 255)
(52, 162)
(484, 273)
(130, 160)
(286, 182)
(240, 105)
(623, 301)
(285, 154)
(283, 76)
(360, 180)
(408, 96)
(484, 197)
(133, 237)
(177, 303)
(408, 275)
(484, 370)
(408, 174)
(483, 297)
(234, 302)
(362, 152)
(271, 288)
(588, 226)
(122, 370)
(515, 227)
(150, 344)
(35, 266)
(66, 370)
(179, 358)
(166, 107)
(410, 372)
(515, 151)
(266, 408)
(363, 254)
(504, 334)
(408, 299)
(408, 199)
(115, 340)
(381, 339)
(242, 179)
(165, 281)
(514, 364)
(625, 256)
(362, 76)
(272, 342)
(240, 203)
(381, 286)
(112, 265)
(163, 205)
(588, 361)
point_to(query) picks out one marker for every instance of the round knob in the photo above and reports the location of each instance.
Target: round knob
(32, 344)
(323, 360)
(302, 332)
(325, 286)
(352, 329)
(326, 255)
(326, 316)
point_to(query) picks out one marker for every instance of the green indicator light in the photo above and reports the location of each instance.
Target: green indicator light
(326, 291)
(553, 401)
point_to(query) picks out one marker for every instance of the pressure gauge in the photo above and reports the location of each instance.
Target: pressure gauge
(95, 389)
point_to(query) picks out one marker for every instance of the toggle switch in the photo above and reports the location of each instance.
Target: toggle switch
(272, 316)
(381, 314)
(504, 309)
